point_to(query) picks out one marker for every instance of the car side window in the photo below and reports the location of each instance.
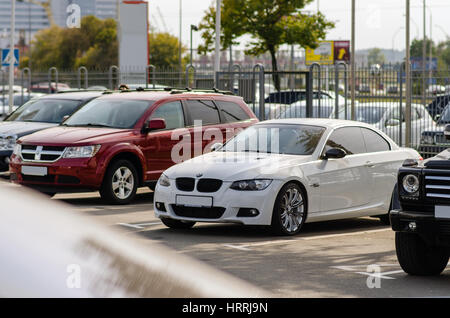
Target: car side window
(374, 142)
(348, 139)
(203, 110)
(232, 112)
(172, 113)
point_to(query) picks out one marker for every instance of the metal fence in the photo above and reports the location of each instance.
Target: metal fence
(318, 91)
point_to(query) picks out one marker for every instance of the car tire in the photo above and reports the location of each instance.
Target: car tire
(416, 257)
(289, 212)
(176, 224)
(120, 183)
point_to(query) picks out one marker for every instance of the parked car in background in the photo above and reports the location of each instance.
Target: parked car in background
(437, 106)
(278, 103)
(19, 100)
(433, 141)
(387, 118)
(363, 88)
(309, 170)
(122, 141)
(49, 88)
(38, 114)
(435, 90)
(392, 90)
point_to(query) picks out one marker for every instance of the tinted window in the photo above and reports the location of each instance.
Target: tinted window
(44, 110)
(203, 110)
(109, 113)
(172, 113)
(285, 97)
(232, 112)
(283, 139)
(349, 139)
(374, 142)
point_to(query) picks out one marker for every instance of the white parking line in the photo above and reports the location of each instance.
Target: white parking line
(247, 246)
(138, 226)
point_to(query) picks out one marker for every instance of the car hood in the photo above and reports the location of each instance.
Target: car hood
(20, 128)
(74, 135)
(438, 129)
(233, 166)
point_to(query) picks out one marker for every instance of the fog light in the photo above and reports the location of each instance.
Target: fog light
(244, 212)
(412, 226)
(160, 206)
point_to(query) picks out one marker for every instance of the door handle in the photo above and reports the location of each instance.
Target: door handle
(370, 164)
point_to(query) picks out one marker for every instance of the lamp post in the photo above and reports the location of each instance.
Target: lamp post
(352, 62)
(217, 48)
(408, 78)
(11, 56)
(193, 28)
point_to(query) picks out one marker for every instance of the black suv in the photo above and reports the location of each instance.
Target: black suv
(422, 222)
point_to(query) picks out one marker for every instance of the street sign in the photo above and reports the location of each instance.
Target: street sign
(342, 51)
(7, 56)
(323, 54)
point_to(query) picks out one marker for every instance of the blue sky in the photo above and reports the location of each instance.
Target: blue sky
(379, 22)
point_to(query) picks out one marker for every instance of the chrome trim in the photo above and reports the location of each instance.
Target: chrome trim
(437, 178)
(442, 187)
(438, 195)
(38, 152)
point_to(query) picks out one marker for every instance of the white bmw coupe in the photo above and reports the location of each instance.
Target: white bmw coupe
(283, 173)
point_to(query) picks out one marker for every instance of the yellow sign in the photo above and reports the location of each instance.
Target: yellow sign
(323, 54)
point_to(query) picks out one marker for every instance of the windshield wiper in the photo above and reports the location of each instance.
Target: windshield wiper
(88, 125)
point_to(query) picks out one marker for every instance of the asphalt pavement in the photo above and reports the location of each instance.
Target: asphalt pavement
(346, 258)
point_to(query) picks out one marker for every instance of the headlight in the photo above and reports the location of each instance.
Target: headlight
(7, 142)
(411, 184)
(17, 149)
(81, 152)
(164, 181)
(251, 185)
(427, 139)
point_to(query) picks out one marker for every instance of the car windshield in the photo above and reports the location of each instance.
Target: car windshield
(279, 139)
(121, 114)
(445, 117)
(44, 110)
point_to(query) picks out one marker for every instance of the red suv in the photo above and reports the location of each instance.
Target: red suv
(125, 140)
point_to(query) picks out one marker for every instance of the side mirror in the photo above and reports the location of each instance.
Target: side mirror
(392, 123)
(65, 118)
(335, 153)
(154, 124)
(447, 132)
(216, 146)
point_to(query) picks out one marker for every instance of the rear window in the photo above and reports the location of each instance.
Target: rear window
(203, 110)
(232, 112)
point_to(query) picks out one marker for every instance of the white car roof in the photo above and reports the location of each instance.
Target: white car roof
(324, 122)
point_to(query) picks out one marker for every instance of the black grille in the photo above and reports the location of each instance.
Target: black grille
(444, 227)
(437, 186)
(208, 185)
(40, 179)
(198, 213)
(49, 157)
(48, 153)
(27, 156)
(185, 184)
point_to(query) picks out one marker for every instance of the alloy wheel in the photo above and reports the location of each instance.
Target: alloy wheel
(292, 210)
(123, 183)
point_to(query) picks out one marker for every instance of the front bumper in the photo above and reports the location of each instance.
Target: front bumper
(226, 199)
(64, 175)
(425, 224)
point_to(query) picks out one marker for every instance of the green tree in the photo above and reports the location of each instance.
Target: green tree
(376, 56)
(94, 45)
(164, 50)
(270, 23)
(417, 48)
